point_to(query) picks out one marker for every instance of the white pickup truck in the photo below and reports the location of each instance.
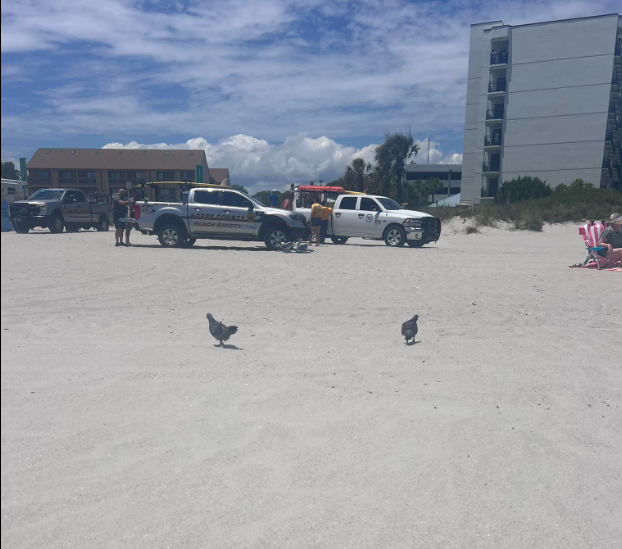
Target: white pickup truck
(220, 214)
(372, 217)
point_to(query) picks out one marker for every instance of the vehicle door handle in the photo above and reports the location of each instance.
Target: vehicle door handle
(198, 209)
(361, 216)
(227, 211)
(337, 214)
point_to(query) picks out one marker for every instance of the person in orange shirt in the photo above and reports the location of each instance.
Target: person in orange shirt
(326, 211)
(316, 222)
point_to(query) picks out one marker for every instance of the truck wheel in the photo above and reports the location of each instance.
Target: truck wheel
(21, 228)
(395, 236)
(190, 241)
(415, 243)
(339, 239)
(103, 224)
(275, 236)
(171, 235)
(56, 224)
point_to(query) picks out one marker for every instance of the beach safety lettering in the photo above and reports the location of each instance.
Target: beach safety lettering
(219, 217)
(216, 224)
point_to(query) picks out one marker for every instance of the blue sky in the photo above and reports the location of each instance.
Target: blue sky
(275, 90)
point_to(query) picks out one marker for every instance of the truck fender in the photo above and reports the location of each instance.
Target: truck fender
(169, 218)
(268, 221)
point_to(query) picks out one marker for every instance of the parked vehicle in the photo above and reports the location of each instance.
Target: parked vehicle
(370, 216)
(219, 213)
(59, 209)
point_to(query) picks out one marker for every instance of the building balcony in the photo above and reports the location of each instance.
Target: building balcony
(499, 57)
(494, 114)
(497, 87)
(488, 192)
(490, 167)
(494, 141)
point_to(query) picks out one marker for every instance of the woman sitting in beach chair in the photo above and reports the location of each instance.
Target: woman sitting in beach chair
(611, 241)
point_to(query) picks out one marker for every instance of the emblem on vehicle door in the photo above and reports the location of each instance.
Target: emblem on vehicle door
(369, 218)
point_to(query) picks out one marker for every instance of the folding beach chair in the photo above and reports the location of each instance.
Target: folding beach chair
(590, 232)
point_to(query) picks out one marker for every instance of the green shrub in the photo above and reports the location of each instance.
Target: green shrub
(576, 202)
(529, 220)
(471, 230)
(521, 189)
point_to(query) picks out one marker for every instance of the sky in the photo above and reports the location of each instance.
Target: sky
(278, 91)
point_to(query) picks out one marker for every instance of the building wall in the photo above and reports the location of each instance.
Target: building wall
(559, 88)
(479, 50)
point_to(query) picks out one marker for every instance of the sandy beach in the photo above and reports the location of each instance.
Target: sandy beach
(123, 426)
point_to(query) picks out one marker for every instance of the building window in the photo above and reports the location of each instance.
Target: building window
(11, 190)
(42, 174)
(66, 174)
(166, 176)
(187, 176)
(86, 175)
(114, 175)
(165, 194)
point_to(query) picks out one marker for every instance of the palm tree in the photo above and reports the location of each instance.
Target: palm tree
(356, 172)
(392, 155)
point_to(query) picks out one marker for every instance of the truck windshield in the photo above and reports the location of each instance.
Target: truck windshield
(46, 194)
(389, 204)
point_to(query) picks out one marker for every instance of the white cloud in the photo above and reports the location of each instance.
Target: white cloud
(122, 69)
(259, 165)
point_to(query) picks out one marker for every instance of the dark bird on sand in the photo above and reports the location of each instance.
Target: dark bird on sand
(219, 330)
(410, 329)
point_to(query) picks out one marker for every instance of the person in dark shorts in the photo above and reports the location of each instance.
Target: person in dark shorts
(119, 211)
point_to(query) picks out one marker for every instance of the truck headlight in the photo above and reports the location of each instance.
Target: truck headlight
(299, 218)
(413, 223)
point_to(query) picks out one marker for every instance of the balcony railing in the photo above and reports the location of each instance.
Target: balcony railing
(618, 48)
(498, 86)
(494, 141)
(494, 114)
(488, 192)
(498, 57)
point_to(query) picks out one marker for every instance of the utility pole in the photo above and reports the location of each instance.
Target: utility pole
(428, 149)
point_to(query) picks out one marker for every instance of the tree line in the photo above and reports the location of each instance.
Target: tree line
(387, 176)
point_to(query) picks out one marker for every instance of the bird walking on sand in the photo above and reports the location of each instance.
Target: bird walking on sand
(219, 330)
(410, 329)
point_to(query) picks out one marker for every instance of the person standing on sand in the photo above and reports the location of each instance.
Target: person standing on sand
(316, 221)
(611, 238)
(119, 211)
(326, 211)
(274, 199)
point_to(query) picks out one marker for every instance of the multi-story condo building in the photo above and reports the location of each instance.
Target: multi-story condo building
(543, 100)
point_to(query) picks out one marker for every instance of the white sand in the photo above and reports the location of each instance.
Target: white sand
(123, 426)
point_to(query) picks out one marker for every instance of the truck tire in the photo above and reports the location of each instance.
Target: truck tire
(57, 224)
(395, 236)
(103, 224)
(21, 228)
(339, 239)
(171, 235)
(190, 241)
(415, 243)
(275, 236)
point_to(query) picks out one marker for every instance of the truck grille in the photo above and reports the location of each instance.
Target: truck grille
(25, 209)
(431, 227)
